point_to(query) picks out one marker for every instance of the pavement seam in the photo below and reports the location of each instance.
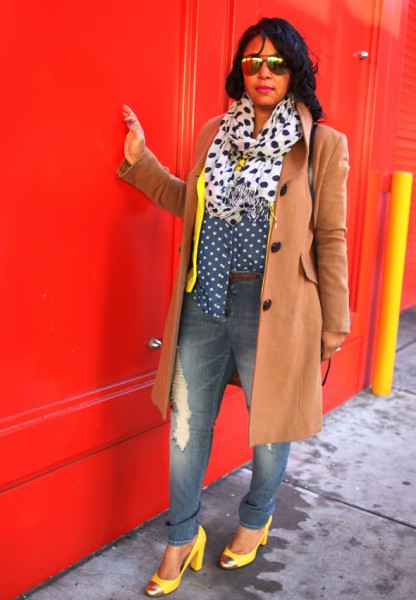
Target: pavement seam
(405, 346)
(400, 389)
(350, 504)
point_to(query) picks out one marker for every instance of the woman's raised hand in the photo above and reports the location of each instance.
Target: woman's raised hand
(134, 142)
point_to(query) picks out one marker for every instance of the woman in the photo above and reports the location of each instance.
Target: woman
(249, 297)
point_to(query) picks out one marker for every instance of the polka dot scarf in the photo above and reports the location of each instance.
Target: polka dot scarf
(242, 173)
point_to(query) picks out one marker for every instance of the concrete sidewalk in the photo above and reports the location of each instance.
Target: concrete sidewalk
(344, 526)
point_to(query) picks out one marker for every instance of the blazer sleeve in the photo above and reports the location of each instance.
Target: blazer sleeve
(330, 229)
(154, 180)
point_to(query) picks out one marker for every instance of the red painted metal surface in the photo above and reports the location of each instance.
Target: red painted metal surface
(61, 517)
(405, 147)
(87, 263)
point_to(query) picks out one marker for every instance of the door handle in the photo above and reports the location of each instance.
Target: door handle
(362, 54)
(155, 343)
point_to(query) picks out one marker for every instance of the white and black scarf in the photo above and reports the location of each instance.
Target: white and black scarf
(231, 193)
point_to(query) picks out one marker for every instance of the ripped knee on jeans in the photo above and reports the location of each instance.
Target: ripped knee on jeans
(180, 407)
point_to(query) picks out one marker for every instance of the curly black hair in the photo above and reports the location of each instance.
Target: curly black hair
(292, 47)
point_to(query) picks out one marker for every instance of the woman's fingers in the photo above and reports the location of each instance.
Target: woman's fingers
(127, 112)
(131, 120)
(134, 142)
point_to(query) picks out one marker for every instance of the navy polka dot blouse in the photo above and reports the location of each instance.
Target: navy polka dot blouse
(224, 248)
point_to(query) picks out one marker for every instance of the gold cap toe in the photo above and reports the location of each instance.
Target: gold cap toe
(226, 562)
(154, 590)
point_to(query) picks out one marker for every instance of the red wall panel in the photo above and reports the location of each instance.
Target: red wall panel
(87, 263)
(405, 148)
(72, 237)
(91, 500)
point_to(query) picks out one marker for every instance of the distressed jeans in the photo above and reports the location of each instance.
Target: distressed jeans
(209, 349)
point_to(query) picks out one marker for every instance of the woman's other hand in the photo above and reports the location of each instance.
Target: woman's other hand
(331, 343)
(134, 142)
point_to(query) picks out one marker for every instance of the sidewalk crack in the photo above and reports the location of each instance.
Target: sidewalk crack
(375, 513)
(401, 389)
(405, 346)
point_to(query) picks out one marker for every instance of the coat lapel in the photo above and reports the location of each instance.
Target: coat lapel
(294, 161)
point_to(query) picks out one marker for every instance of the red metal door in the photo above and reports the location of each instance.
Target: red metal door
(86, 266)
(87, 263)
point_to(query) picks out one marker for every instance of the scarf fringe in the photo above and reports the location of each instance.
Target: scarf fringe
(240, 196)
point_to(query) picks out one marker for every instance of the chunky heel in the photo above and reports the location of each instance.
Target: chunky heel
(263, 540)
(196, 562)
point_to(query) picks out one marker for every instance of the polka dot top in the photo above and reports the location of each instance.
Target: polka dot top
(224, 248)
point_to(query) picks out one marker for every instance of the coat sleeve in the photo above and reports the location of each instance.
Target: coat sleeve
(330, 243)
(154, 180)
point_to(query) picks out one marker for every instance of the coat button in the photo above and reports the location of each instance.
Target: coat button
(267, 304)
(283, 189)
(276, 246)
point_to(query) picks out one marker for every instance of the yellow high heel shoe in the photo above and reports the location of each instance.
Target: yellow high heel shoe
(195, 558)
(230, 560)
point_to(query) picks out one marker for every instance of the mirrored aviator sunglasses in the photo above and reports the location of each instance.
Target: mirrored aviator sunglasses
(252, 64)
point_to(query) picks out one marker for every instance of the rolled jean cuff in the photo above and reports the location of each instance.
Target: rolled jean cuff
(254, 527)
(181, 543)
(189, 537)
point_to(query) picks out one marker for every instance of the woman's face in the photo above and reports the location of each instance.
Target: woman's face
(264, 88)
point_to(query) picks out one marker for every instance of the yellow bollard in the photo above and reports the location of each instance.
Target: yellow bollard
(391, 289)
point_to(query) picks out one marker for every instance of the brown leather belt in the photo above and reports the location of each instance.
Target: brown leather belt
(245, 276)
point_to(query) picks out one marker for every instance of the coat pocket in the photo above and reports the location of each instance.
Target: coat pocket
(308, 269)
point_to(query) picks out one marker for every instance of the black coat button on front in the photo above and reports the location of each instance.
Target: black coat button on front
(283, 189)
(267, 304)
(276, 246)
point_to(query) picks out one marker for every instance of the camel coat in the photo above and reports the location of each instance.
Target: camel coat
(299, 298)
